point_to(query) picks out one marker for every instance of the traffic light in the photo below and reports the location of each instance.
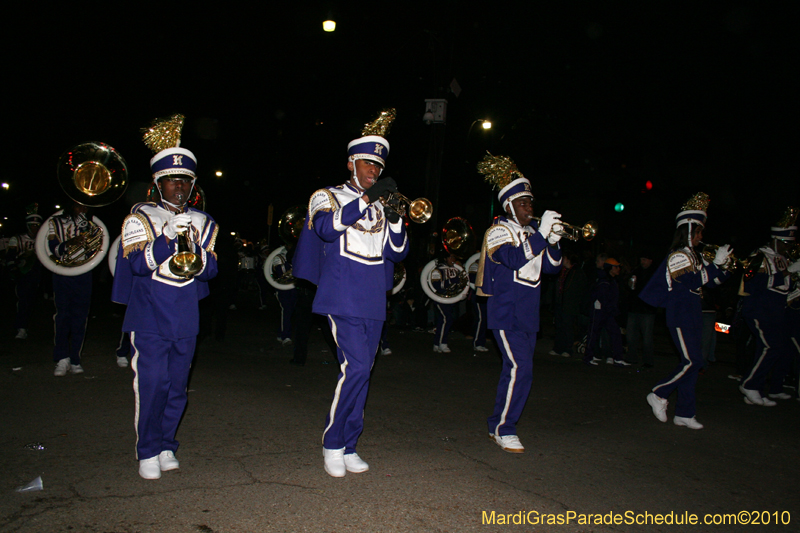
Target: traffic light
(619, 207)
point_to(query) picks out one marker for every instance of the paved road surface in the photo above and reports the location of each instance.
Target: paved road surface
(251, 455)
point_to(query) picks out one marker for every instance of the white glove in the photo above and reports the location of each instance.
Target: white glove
(722, 254)
(794, 267)
(597, 304)
(549, 218)
(554, 237)
(177, 224)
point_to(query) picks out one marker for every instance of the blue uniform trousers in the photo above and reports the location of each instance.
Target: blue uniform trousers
(478, 319)
(687, 336)
(287, 300)
(124, 347)
(72, 296)
(161, 369)
(357, 343)
(516, 376)
(445, 314)
(772, 338)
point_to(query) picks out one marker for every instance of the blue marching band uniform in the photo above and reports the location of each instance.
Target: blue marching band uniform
(765, 297)
(287, 300)
(677, 285)
(26, 272)
(478, 304)
(348, 248)
(444, 277)
(72, 294)
(162, 313)
(513, 259)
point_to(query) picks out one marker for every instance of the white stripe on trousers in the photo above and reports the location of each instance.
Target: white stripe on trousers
(511, 381)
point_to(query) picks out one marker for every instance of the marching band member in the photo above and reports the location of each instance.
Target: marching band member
(677, 285)
(793, 319)
(478, 304)
(514, 256)
(26, 270)
(348, 248)
(445, 275)
(287, 300)
(162, 314)
(764, 301)
(72, 295)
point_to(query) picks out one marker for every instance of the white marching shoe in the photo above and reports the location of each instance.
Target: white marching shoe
(167, 461)
(509, 443)
(753, 397)
(355, 464)
(688, 422)
(62, 367)
(149, 468)
(659, 406)
(334, 462)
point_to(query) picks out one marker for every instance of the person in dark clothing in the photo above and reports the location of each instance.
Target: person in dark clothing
(605, 308)
(571, 288)
(641, 315)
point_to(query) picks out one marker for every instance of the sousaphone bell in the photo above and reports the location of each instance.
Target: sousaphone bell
(92, 174)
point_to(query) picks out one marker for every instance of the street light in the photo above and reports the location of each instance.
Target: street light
(4, 185)
(329, 26)
(485, 124)
(218, 173)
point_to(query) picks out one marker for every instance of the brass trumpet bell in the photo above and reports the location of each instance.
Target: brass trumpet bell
(574, 233)
(185, 263)
(93, 174)
(419, 211)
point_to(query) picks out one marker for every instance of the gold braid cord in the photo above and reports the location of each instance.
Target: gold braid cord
(164, 133)
(499, 170)
(380, 126)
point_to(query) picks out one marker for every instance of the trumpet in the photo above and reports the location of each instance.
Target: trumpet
(574, 233)
(185, 263)
(419, 211)
(709, 252)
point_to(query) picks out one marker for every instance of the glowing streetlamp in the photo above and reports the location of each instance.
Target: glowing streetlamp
(4, 185)
(487, 124)
(218, 173)
(329, 26)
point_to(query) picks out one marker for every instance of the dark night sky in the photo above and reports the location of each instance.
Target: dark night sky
(590, 103)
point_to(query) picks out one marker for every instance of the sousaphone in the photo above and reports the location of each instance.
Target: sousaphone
(92, 174)
(459, 240)
(289, 227)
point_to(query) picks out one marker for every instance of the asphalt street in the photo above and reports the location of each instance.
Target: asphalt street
(251, 457)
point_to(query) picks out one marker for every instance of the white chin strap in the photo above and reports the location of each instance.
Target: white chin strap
(178, 207)
(355, 177)
(513, 213)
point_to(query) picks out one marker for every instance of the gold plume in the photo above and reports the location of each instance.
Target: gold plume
(380, 126)
(164, 133)
(698, 202)
(789, 217)
(499, 170)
